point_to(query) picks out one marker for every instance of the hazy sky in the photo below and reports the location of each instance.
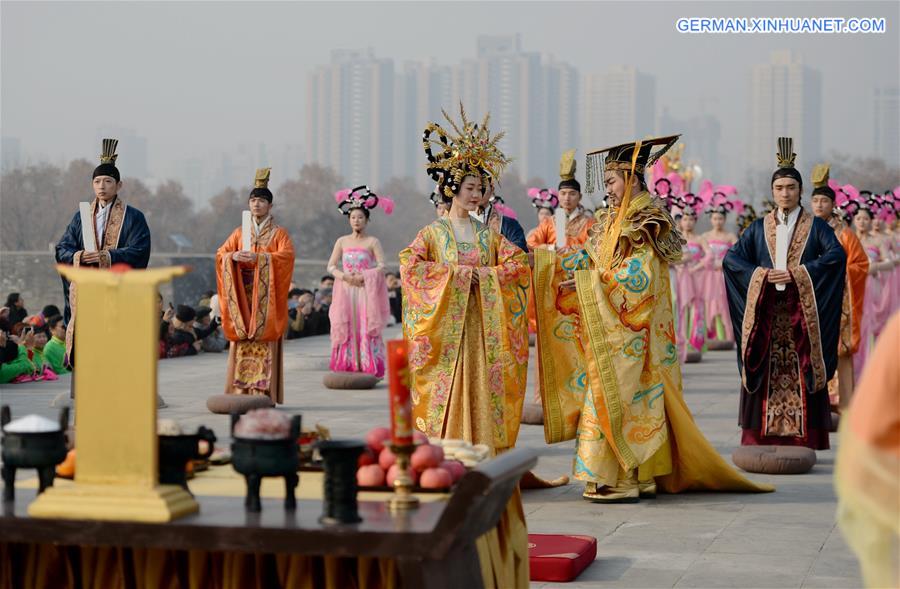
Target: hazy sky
(196, 78)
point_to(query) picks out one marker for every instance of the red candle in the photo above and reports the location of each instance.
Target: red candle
(398, 379)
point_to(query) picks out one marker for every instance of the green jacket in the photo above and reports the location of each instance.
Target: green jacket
(54, 355)
(21, 365)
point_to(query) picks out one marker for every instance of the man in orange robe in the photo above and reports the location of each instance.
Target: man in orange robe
(840, 388)
(570, 214)
(253, 293)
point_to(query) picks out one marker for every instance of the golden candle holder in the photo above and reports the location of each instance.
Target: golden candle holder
(403, 498)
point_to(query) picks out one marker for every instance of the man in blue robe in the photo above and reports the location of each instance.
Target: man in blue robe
(491, 215)
(120, 232)
(787, 338)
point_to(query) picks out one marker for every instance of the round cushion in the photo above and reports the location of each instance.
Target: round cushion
(692, 357)
(349, 380)
(532, 414)
(720, 345)
(775, 459)
(228, 404)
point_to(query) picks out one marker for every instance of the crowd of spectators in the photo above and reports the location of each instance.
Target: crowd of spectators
(33, 347)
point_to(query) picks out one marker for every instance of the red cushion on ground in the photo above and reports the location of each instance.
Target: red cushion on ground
(560, 558)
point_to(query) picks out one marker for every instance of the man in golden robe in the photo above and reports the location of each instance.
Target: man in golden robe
(253, 292)
(840, 387)
(632, 428)
(558, 355)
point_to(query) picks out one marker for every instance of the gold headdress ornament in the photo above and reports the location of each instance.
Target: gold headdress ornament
(262, 178)
(786, 153)
(567, 165)
(109, 154)
(631, 158)
(471, 151)
(820, 175)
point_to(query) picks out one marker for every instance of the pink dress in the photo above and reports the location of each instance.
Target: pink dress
(357, 315)
(690, 299)
(876, 308)
(718, 320)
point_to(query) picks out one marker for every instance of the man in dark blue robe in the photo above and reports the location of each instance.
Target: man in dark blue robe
(120, 232)
(787, 339)
(490, 214)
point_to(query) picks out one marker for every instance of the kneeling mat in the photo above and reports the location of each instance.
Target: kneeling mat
(560, 558)
(775, 459)
(349, 380)
(227, 404)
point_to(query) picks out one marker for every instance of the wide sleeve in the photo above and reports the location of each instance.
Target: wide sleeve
(745, 270)
(820, 282)
(857, 273)
(70, 243)
(280, 260)
(135, 251)
(504, 303)
(560, 359)
(515, 234)
(424, 281)
(435, 297)
(231, 293)
(542, 234)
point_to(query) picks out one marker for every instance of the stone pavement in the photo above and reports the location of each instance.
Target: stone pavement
(782, 539)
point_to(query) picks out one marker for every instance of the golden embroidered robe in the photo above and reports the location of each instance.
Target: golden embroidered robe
(446, 318)
(468, 360)
(253, 299)
(559, 354)
(633, 416)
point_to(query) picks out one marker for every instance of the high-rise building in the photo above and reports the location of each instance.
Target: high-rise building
(132, 150)
(700, 135)
(620, 106)
(366, 122)
(11, 151)
(532, 98)
(421, 92)
(561, 97)
(887, 124)
(350, 116)
(785, 101)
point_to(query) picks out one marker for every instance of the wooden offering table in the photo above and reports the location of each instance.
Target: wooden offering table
(225, 546)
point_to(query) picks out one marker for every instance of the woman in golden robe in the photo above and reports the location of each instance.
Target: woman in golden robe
(633, 429)
(253, 292)
(465, 290)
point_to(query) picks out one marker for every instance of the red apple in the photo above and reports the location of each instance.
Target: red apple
(377, 437)
(455, 468)
(386, 459)
(436, 478)
(426, 456)
(370, 475)
(419, 437)
(395, 470)
(366, 458)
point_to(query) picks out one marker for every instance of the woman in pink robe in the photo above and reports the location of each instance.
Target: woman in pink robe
(359, 308)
